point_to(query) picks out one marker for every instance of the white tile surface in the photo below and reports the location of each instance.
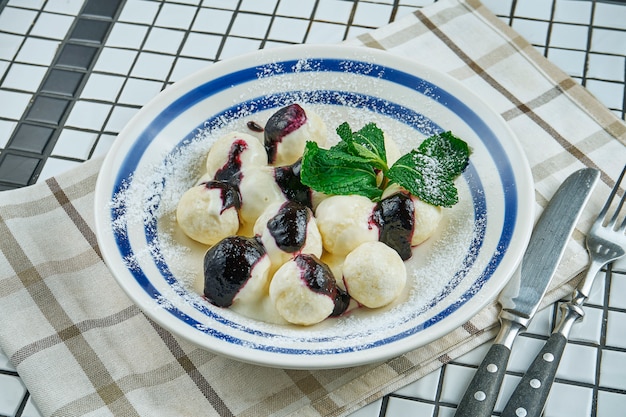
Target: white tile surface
(537, 30)
(187, 66)
(258, 6)
(164, 41)
(9, 45)
(37, 51)
(609, 41)
(14, 20)
(572, 11)
(88, 115)
(13, 391)
(139, 92)
(24, 77)
(104, 87)
(200, 45)
(13, 104)
(139, 11)
(290, 30)
(609, 15)
(612, 369)
(6, 130)
(70, 7)
(55, 166)
(250, 25)
(607, 67)
(153, 66)
(125, 35)
(534, 9)
(212, 20)
(333, 11)
(401, 406)
(569, 400)
(120, 116)
(52, 25)
(175, 16)
(301, 8)
(74, 144)
(115, 60)
(425, 387)
(371, 14)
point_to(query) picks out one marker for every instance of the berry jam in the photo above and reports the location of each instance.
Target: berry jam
(227, 267)
(230, 194)
(286, 120)
(231, 171)
(289, 226)
(395, 218)
(254, 126)
(320, 279)
(288, 179)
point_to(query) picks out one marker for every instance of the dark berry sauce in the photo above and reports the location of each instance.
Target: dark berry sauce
(320, 279)
(289, 226)
(395, 218)
(254, 126)
(229, 193)
(227, 267)
(286, 120)
(288, 179)
(231, 171)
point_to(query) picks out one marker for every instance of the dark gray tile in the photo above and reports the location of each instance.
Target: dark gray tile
(102, 8)
(31, 138)
(17, 169)
(76, 56)
(90, 30)
(62, 82)
(47, 110)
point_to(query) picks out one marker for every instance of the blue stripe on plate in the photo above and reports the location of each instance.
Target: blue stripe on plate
(384, 107)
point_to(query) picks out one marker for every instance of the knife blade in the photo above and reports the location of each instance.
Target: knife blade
(521, 296)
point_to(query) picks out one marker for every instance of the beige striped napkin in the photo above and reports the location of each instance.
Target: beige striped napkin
(83, 348)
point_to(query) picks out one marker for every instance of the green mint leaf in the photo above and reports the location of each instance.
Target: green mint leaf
(425, 178)
(367, 143)
(327, 171)
(449, 151)
(345, 132)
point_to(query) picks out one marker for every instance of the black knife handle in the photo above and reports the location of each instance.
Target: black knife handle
(530, 396)
(482, 392)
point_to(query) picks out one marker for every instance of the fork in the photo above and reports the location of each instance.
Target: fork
(606, 242)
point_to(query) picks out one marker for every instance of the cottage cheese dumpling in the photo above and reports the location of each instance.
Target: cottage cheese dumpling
(304, 291)
(233, 152)
(236, 270)
(426, 216)
(258, 190)
(207, 213)
(288, 229)
(374, 274)
(427, 219)
(344, 222)
(288, 130)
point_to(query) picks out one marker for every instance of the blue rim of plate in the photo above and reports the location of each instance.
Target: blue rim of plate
(327, 97)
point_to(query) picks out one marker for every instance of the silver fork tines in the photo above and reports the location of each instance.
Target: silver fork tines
(606, 242)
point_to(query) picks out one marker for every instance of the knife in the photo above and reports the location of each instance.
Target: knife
(521, 296)
(530, 396)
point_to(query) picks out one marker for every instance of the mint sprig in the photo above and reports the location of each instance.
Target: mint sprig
(354, 164)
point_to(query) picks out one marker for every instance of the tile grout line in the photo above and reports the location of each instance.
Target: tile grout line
(50, 105)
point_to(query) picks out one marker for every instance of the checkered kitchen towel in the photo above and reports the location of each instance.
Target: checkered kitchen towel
(83, 348)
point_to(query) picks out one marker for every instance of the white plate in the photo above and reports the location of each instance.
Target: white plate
(455, 274)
